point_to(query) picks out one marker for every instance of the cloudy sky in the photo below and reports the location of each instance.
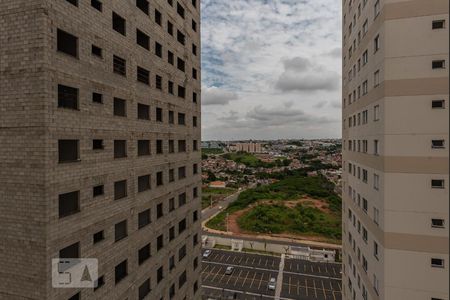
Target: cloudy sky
(271, 69)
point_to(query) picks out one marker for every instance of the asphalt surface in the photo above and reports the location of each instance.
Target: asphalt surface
(300, 279)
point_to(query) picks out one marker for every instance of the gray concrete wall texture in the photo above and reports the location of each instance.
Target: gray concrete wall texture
(32, 124)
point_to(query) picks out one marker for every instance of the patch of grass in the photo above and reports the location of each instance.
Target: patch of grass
(222, 247)
(247, 159)
(248, 250)
(300, 220)
(208, 151)
(278, 218)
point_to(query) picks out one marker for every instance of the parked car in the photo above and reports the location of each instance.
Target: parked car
(272, 284)
(207, 253)
(229, 270)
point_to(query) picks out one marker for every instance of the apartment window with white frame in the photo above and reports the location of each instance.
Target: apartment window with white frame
(376, 78)
(375, 250)
(376, 215)
(376, 112)
(377, 8)
(365, 57)
(365, 205)
(376, 181)
(365, 27)
(376, 43)
(365, 87)
(364, 175)
(375, 283)
(376, 150)
(365, 235)
(365, 146)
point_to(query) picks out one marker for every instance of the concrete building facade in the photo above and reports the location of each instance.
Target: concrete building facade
(99, 146)
(395, 149)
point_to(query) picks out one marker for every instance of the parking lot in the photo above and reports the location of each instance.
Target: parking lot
(251, 274)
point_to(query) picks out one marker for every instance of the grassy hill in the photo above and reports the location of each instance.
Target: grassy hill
(278, 218)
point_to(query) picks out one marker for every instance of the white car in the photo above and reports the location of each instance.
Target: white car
(207, 253)
(229, 270)
(272, 284)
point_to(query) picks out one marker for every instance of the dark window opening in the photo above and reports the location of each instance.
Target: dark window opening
(194, 49)
(159, 178)
(120, 148)
(119, 23)
(160, 274)
(159, 146)
(159, 114)
(120, 107)
(97, 98)
(98, 237)
(68, 150)
(143, 147)
(170, 87)
(181, 64)
(120, 231)
(171, 117)
(158, 49)
(171, 146)
(72, 251)
(144, 218)
(170, 57)
(143, 5)
(160, 242)
(181, 38)
(144, 289)
(194, 25)
(438, 104)
(97, 5)
(143, 75)
(181, 119)
(99, 282)
(67, 97)
(181, 172)
(181, 91)
(143, 112)
(98, 190)
(180, 10)
(144, 254)
(97, 51)
(158, 82)
(158, 17)
(120, 271)
(438, 24)
(194, 97)
(120, 189)
(438, 64)
(143, 183)
(119, 65)
(159, 210)
(73, 2)
(97, 145)
(182, 146)
(67, 43)
(69, 204)
(142, 39)
(169, 28)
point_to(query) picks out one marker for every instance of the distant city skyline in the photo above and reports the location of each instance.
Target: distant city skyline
(271, 69)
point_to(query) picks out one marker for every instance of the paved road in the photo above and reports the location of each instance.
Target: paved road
(221, 205)
(210, 211)
(296, 279)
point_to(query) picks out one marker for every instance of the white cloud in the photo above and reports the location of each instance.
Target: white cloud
(268, 66)
(216, 96)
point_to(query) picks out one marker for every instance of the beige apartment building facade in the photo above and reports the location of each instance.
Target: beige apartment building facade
(395, 149)
(99, 146)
